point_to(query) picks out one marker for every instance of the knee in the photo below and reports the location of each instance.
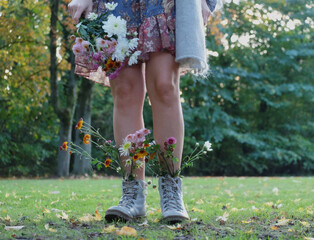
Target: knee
(166, 91)
(128, 94)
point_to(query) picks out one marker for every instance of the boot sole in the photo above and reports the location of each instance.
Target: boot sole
(115, 216)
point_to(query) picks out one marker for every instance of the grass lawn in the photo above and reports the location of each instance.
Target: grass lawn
(219, 207)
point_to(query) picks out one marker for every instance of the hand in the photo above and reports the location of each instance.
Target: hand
(77, 7)
(205, 11)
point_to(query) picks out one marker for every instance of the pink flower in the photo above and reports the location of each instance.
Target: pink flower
(79, 40)
(78, 49)
(145, 131)
(171, 141)
(132, 150)
(85, 44)
(101, 43)
(131, 138)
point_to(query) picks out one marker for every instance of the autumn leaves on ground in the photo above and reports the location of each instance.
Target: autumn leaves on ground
(222, 207)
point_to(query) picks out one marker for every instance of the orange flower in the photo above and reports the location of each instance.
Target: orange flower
(146, 145)
(136, 157)
(79, 124)
(70, 152)
(107, 162)
(86, 138)
(152, 156)
(65, 146)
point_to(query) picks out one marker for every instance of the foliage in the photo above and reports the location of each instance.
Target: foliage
(256, 106)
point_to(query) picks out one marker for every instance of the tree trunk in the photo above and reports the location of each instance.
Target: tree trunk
(82, 164)
(65, 110)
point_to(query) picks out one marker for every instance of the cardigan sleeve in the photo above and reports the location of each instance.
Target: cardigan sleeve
(211, 4)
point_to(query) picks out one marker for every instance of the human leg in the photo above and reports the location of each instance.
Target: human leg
(162, 81)
(128, 91)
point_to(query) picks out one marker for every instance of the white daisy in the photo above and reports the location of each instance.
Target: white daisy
(133, 43)
(133, 58)
(92, 16)
(111, 6)
(128, 162)
(122, 50)
(125, 147)
(208, 146)
(115, 26)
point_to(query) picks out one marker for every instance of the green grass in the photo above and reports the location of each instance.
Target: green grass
(35, 203)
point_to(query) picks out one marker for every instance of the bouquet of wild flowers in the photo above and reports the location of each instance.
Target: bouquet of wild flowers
(103, 42)
(135, 149)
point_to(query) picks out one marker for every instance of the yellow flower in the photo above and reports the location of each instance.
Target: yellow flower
(107, 162)
(79, 124)
(86, 138)
(142, 153)
(136, 157)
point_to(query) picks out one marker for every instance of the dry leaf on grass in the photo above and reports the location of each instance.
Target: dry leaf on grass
(274, 227)
(49, 228)
(64, 216)
(222, 219)
(282, 222)
(197, 210)
(127, 231)
(97, 216)
(14, 228)
(175, 227)
(110, 229)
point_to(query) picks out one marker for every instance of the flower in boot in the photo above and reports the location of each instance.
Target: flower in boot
(85, 44)
(86, 139)
(79, 124)
(131, 138)
(171, 141)
(78, 49)
(65, 146)
(107, 162)
(142, 153)
(125, 147)
(208, 146)
(128, 162)
(136, 157)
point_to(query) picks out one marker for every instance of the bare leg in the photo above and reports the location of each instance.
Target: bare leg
(162, 80)
(128, 91)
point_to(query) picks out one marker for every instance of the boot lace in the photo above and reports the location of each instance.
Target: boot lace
(171, 195)
(130, 190)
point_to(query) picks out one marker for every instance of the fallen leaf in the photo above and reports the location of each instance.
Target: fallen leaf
(97, 216)
(222, 219)
(54, 202)
(64, 216)
(54, 192)
(49, 228)
(46, 210)
(275, 190)
(250, 231)
(274, 227)
(109, 229)
(127, 231)
(246, 221)
(175, 227)
(86, 218)
(305, 224)
(144, 224)
(297, 200)
(308, 238)
(8, 219)
(14, 228)
(200, 201)
(269, 204)
(282, 222)
(197, 210)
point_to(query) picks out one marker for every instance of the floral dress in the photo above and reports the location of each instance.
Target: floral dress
(153, 20)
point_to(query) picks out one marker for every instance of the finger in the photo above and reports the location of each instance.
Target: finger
(78, 14)
(88, 10)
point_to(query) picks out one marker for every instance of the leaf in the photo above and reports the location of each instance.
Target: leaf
(64, 216)
(97, 216)
(110, 229)
(14, 228)
(86, 218)
(46, 210)
(144, 224)
(246, 221)
(175, 227)
(274, 227)
(222, 219)
(275, 190)
(49, 228)
(126, 231)
(305, 224)
(197, 210)
(282, 222)
(200, 201)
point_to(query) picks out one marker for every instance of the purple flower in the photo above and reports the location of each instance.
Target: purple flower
(171, 141)
(78, 49)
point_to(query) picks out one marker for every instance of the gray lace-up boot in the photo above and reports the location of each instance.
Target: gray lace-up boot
(171, 199)
(132, 203)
